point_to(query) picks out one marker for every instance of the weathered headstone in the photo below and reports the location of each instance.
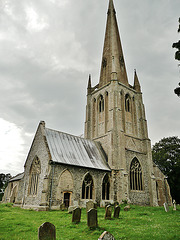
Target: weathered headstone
(127, 208)
(174, 205)
(166, 207)
(108, 212)
(92, 218)
(116, 211)
(70, 209)
(62, 207)
(106, 236)
(76, 215)
(89, 205)
(47, 231)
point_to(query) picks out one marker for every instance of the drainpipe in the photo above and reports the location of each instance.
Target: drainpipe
(50, 202)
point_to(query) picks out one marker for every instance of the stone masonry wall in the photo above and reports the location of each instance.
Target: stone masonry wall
(78, 175)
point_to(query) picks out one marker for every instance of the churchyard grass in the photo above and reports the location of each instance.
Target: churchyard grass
(138, 223)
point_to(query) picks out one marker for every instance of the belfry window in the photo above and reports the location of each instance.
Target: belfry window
(127, 103)
(136, 175)
(87, 187)
(35, 171)
(105, 188)
(101, 104)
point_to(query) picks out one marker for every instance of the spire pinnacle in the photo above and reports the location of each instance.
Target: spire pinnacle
(112, 59)
(137, 86)
(89, 85)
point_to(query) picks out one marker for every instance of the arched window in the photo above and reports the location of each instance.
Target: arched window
(136, 175)
(101, 104)
(105, 188)
(127, 103)
(35, 170)
(87, 187)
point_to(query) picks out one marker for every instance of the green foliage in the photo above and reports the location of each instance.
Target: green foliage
(4, 178)
(166, 154)
(138, 223)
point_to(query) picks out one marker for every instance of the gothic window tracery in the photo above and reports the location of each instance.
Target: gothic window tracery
(105, 188)
(136, 175)
(101, 104)
(35, 171)
(127, 103)
(87, 187)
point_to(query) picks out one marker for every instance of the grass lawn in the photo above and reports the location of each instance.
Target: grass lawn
(138, 223)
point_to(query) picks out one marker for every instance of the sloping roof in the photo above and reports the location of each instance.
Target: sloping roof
(17, 177)
(76, 151)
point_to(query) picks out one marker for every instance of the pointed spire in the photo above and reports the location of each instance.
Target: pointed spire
(112, 59)
(137, 86)
(89, 85)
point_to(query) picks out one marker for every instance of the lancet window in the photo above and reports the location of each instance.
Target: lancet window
(127, 103)
(105, 188)
(101, 104)
(136, 182)
(35, 171)
(87, 187)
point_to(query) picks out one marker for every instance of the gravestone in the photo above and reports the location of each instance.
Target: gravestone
(47, 231)
(174, 205)
(127, 208)
(108, 212)
(106, 236)
(116, 211)
(92, 218)
(89, 205)
(166, 207)
(70, 209)
(62, 207)
(76, 215)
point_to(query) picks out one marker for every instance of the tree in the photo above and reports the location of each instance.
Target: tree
(166, 154)
(177, 57)
(4, 178)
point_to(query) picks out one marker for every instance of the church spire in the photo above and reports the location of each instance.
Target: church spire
(112, 59)
(137, 86)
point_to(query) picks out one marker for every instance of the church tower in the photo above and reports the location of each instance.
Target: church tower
(115, 117)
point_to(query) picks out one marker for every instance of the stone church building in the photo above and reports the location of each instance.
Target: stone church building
(113, 162)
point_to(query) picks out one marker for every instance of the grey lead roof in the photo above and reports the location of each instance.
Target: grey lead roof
(76, 151)
(17, 177)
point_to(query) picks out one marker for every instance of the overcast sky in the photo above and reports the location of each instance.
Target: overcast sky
(47, 50)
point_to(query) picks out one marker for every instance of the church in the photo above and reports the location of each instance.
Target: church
(113, 162)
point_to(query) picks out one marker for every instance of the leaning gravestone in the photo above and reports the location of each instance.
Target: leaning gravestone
(116, 211)
(89, 205)
(47, 231)
(108, 212)
(92, 218)
(166, 207)
(106, 236)
(76, 215)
